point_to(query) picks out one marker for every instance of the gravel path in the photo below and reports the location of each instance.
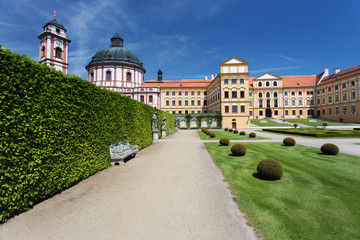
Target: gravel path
(172, 190)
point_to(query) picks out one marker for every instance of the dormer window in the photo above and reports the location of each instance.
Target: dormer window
(57, 30)
(58, 52)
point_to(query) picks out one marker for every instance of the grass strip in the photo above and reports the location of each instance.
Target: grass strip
(312, 132)
(268, 123)
(229, 135)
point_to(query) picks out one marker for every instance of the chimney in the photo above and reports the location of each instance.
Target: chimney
(206, 77)
(326, 72)
(336, 70)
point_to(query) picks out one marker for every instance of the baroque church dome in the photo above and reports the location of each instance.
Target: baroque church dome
(116, 53)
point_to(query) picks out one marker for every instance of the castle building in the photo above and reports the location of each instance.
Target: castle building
(54, 46)
(231, 93)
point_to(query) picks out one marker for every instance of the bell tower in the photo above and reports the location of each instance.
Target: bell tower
(54, 46)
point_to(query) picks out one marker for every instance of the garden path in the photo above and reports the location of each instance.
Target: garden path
(172, 190)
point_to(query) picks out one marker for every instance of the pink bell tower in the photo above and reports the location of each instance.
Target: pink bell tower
(54, 46)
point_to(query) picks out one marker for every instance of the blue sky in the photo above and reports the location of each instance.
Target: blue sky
(190, 38)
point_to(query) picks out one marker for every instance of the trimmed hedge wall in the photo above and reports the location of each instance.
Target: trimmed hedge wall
(56, 129)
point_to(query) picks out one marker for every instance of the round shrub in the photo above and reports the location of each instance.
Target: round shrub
(224, 141)
(242, 132)
(252, 134)
(238, 149)
(329, 149)
(212, 134)
(270, 169)
(226, 129)
(230, 130)
(289, 141)
(295, 125)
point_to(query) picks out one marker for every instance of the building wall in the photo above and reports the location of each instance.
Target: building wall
(339, 100)
(234, 93)
(184, 100)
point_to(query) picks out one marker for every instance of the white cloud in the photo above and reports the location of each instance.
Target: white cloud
(264, 70)
(286, 58)
(6, 24)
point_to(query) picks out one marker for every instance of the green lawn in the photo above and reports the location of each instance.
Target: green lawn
(268, 123)
(229, 135)
(317, 123)
(317, 197)
(312, 132)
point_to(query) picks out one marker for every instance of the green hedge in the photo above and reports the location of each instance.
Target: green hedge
(55, 130)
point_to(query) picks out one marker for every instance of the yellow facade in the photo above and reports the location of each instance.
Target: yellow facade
(183, 100)
(339, 100)
(229, 94)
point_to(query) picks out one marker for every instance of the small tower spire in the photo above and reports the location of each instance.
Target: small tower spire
(54, 14)
(160, 73)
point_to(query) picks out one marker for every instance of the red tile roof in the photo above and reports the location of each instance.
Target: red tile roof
(293, 81)
(183, 83)
(340, 75)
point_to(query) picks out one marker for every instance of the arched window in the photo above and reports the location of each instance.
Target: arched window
(268, 103)
(275, 94)
(92, 76)
(260, 103)
(43, 51)
(267, 94)
(267, 84)
(259, 84)
(58, 52)
(275, 103)
(108, 75)
(186, 111)
(260, 95)
(128, 77)
(141, 98)
(275, 84)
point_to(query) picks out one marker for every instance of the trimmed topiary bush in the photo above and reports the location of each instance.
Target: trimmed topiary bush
(289, 141)
(224, 141)
(252, 134)
(238, 149)
(226, 129)
(329, 149)
(207, 132)
(235, 131)
(242, 132)
(295, 125)
(231, 130)
(212, 134)
(270, 169)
